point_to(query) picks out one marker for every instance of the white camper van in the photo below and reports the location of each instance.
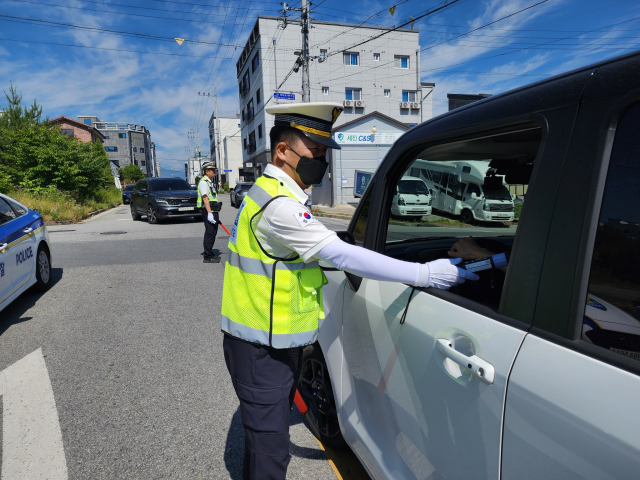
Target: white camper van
(412, 198)
(460, 188)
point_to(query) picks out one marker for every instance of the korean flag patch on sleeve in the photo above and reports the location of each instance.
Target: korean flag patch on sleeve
(304, 218)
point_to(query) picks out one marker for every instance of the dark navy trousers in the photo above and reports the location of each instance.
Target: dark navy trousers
(210, 231)
(264, 379)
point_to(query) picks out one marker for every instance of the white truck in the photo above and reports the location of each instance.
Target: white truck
(461, 187)
(412, 198)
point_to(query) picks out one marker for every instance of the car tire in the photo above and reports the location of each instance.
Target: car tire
(134, 213)
(43, 269)
(467, 217)
(152, 217)
(316, 390)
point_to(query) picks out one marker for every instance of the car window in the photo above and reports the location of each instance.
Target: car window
(612, 311)
(129, 187)
(6, 212)
(142, 184)
(422, 229)
(360, 227)
(19, 209)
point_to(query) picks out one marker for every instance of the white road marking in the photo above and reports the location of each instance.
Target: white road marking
(31, 437)
(122, 219)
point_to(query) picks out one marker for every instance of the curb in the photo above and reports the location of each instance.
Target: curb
(89, 215)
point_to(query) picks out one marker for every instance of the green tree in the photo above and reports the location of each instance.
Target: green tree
(131, 172)
(14, 115)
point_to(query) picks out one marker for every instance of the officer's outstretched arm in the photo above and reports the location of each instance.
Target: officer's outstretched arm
(365, 263)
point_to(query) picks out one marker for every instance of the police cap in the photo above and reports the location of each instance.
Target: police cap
(315, 120)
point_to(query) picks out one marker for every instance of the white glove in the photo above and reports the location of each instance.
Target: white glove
(211, 219)
(444, 274)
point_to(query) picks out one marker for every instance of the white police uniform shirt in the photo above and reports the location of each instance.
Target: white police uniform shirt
(287, 228)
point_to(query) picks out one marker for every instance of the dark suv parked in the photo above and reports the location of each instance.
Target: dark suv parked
(161, 198)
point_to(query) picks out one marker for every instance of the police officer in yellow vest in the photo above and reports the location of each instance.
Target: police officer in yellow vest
(208, 198)
(272, 294)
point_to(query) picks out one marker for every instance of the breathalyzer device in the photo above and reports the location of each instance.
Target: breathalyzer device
(479, 264)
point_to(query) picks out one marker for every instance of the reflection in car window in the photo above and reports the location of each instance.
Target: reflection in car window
(168, 184)
(361, 223)
(424, 229)
(6, 213)
(129, 187)
(612, 312)
(19, 209)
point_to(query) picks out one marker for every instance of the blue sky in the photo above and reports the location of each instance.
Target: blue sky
(150, 79)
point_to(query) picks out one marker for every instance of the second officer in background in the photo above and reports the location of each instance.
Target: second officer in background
(208, 198)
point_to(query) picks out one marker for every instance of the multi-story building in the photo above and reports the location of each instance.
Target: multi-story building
(126, 143)
(72, 128)
(231, 165)
(381, 75)
(193, 167)
(226, 132)
(218, 129)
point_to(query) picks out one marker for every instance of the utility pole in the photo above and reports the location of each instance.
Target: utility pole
(303, 55)
(306, 90)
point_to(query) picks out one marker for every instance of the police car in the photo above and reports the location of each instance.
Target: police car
(529, 374)
(25, 256)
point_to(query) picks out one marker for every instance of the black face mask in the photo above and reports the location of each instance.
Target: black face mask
(311, 170)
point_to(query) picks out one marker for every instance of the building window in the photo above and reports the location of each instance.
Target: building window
(135, 162)
(258, 97)
(401, 62)
(351, 59)
(143, 163)
(242, 112)
(325, 90)
(67, 131)
(122, 135)
(87, 121)
(376, 57)
(250, 110)
(408, 96)
(141, 150)
(352, 93)
(244, 142)
(111, 149)
(106, 137)
(255, 62)
(323, 52)
(404, 111)
(116, 162)
(260, 131)
(135, 150)
(387, 93)
(252, 142)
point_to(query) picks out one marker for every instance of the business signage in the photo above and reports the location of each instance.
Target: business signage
(367, 138)
(284, 97)
(360, 183)
(248, 165)
(227, 170)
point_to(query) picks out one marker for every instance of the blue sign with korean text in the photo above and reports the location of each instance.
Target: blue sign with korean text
(227, 170)
(361, 181)
(284, 96)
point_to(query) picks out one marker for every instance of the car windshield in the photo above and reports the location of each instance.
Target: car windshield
(168, 184)
(413, 187)
(129, 187)
(497, 194)
(246, 187)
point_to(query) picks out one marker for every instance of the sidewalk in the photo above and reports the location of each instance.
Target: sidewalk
(345, 211)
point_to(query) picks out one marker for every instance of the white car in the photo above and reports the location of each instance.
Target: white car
(25, 255)
(412, 198)
(532, 373)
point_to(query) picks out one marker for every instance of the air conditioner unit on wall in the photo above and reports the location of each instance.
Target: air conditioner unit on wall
(415, 105)
(404, 104)
(347, 103)
(359, 103)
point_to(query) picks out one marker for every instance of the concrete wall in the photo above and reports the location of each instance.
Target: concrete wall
(81, 134)
(332, 73)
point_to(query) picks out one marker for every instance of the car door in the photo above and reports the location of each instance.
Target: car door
(571, 409)
(24, 245)
(139, 196)
(425, 371)
(7, 231)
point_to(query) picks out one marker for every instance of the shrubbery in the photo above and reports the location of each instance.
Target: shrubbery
(48, 171)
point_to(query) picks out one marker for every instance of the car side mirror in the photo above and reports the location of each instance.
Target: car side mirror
(346, 237)
(474, 196)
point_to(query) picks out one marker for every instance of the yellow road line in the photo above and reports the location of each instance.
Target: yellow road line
(333, 465)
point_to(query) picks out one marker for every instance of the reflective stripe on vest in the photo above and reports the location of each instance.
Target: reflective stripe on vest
(268, 300)
(212, 196)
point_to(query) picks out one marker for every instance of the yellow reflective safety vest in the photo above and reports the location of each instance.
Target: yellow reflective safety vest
(268, 300)
(212, 195)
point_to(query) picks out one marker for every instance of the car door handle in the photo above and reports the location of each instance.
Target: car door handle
(3, 246)
(481, 369)
(28, 230)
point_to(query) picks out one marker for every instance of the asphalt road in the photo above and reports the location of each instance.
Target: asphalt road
(130, 336)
